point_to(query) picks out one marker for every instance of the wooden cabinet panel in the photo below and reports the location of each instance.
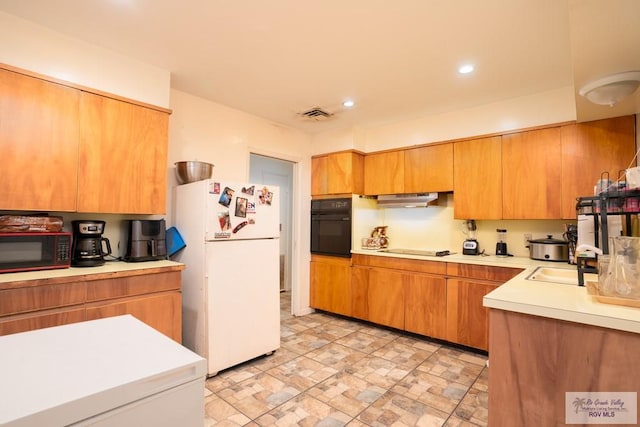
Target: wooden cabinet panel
(133, 285)
(588, 150)
(428, 169)
(330, 286)
(359, 292)
(345, 173)
(385, 297)
(426, 305)
(412, 265)
(122, 157)
(384, 173)
(467, 318)
(319, 175)
(41, 319)
(23, 300)
(482, 272)
(162, 312)
(39, 136)
(337, 173)
(532, 174)
(477, 179)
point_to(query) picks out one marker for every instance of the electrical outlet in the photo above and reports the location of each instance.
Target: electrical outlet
(527, 237)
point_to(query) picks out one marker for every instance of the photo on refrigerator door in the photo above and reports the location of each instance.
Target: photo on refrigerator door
(265, 196)
(241, 207)
(226, 196)
(225, 221)
(248, 190)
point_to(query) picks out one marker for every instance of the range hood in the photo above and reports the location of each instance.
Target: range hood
(416, 200)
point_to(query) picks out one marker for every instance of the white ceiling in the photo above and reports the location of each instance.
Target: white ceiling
(396, 59)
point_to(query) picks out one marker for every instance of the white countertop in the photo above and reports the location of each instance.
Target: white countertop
(65, 374)
(551, 300)
(108, 267)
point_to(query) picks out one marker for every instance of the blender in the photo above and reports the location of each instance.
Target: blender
(470, 245)
(501, 246)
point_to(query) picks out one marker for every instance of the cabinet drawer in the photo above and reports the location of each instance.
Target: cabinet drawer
(482, 272)
(23, 300)
(103, 289)
(43, 319)
(413, 265)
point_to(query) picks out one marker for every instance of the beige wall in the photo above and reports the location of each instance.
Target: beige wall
(27, 45)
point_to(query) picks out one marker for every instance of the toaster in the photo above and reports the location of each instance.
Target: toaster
(146, 240)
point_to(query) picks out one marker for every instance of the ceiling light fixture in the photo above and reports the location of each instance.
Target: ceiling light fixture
(465, 69)
(611, 89)
(348, 103)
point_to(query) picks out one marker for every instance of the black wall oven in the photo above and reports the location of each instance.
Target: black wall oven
(331, 227)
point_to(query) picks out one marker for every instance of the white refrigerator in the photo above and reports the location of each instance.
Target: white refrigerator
(230, 289)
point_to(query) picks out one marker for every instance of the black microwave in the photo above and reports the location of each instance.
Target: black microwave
(34, 251)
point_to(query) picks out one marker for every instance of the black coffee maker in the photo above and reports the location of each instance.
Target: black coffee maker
(88, 247)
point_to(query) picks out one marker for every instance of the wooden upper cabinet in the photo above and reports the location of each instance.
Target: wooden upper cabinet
(122, 157)
(477, 178)
(39, 136)
(588, 150)
(532, 174)
(319, 175)
(428, 169)
(384, 173)
(337, 173)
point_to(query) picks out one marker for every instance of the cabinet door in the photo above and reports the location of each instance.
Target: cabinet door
(426, 305)
(477, 179)
(319, 175)
(532, 175)
(162, 312)
(385, 297)
(331, 286)
(428, 169)
(384, 173)
(588, 150)
(39, 136)
(123, 157)
(360, 292)
(467, 318)
(345, 173)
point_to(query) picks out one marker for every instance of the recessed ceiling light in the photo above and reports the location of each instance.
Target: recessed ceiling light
(348, 103)
(465, 69)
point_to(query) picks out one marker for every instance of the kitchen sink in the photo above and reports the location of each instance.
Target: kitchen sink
(567, 276)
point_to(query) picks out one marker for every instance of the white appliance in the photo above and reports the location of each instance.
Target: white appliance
(230, 286)
(116, 372)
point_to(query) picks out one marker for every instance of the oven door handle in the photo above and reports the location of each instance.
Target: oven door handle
(330, 217)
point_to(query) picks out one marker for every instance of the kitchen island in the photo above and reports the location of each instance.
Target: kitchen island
(551, 344)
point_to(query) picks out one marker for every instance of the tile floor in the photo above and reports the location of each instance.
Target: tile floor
(330, 371)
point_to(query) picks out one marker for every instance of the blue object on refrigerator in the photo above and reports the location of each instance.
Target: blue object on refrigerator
(175, 242)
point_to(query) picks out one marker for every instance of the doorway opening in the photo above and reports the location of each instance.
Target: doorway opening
(274, 171)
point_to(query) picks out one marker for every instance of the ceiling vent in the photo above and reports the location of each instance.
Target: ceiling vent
(316, 114)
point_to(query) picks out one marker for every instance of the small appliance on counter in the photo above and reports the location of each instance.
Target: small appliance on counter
(146, 240)
(88, 244)
(501, 246)
(470, 245)
(549, 249)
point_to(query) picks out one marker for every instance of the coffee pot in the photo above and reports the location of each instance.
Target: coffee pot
(88, 247)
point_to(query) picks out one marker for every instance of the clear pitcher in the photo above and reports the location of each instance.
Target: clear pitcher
(624, 267)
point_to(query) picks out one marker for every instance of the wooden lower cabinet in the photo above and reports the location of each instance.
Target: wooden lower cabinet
(330, 284)
(467, 318)
(385, 297)
(161, 312)
(425, 309)
(151, 295)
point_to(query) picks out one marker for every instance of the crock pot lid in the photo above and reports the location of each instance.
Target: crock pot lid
(549, 241)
